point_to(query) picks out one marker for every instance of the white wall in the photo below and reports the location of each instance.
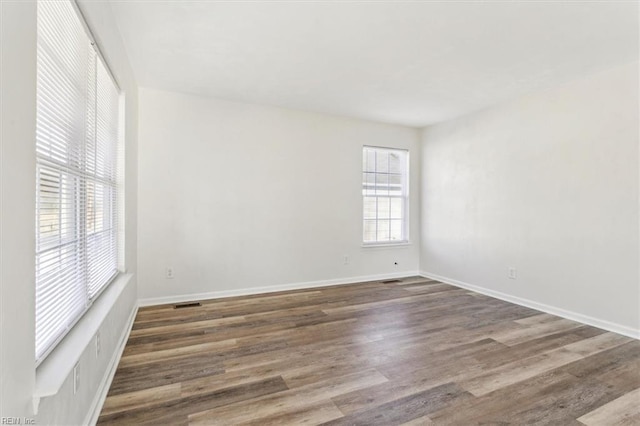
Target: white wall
(17, 218)
(547, 184)
(17, 172)
(235, 196)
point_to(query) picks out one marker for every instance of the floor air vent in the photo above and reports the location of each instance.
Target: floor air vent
(186, 305)
(391, 281)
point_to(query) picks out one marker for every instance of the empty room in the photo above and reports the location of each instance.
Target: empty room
(320, 212)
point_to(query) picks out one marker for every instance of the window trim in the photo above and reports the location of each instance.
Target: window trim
(405, 241)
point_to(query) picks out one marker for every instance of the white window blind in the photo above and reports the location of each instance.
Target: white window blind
(385, 193)
(76, 152)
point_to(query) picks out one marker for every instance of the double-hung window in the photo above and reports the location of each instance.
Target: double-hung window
(385, 191)
(77, 133)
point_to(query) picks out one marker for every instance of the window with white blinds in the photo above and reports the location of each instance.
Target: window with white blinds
(385, 191)
(76, 151)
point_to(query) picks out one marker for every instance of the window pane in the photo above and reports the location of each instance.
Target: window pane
(62, 55)
(396, 230)
(369, 160)
(396, 208)
(368, 184)
(395, 179)
(106, 124)
(383, 230)
(395, 185)
(369, 207)
(99, 204)
(369, 231)
(382, 184)
(383, 207)
(101, 262)
(382, 162)
(60, 294)
(50, 195)
(395, 163)
(57, 204)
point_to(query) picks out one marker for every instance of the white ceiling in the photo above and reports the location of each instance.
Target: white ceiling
(410, 63)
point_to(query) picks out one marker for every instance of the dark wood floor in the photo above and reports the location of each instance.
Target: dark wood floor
(414, 352)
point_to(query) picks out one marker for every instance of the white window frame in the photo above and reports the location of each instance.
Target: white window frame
(374, 190)
(88, 172)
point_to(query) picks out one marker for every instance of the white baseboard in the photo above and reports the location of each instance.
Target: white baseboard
(270, 289)
(105, 384)
(574, 316)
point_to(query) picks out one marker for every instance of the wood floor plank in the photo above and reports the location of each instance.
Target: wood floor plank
(312, 414)
(160, 373)
(425, 373)
(525, 368)
(178, 409)
(163, 342)
(291, 400)
(412, 352)
(624, 410)
(622, 356)
(536, 346)
(426, 288)
(365, 306)
(169, 354)
(189, 326)
(420, 421)
(567, 403)
(492, 406)
(625, 377)
(413, 280)
(534, 331)
(141, 399)
(538, 319)
(408, 408)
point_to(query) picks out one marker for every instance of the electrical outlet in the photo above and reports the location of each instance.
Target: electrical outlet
(168, 273)
(512, 273)
(98, 344)
(346, 259)
(76, 379)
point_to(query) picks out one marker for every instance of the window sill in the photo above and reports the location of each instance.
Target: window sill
(54, 370)
(387, 245)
